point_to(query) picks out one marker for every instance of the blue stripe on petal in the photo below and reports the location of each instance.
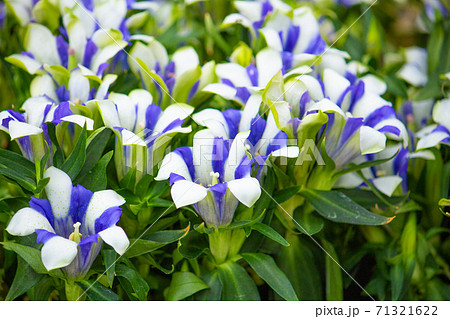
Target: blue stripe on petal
(287, 58)
(232, 117)
(88, 4)
(63, 50)
(257, 127)
(380, 114)
(228, 82)
(390, 129)
(252, 72)
(63, 94)
(174, 124)
(316, 46)
(152, 115)
(278, 141)
(219, 155)
(175, 178)
(186, 154)
(244, 168)
(89, 52)
(357, 92)
(43, 206)
(108, 218)
(266, 8)
(292, 38)
(218, 192)
(43, 236)
(79, 201)
(61, 111)
(351, 126)
(242, 94)
(101, 68)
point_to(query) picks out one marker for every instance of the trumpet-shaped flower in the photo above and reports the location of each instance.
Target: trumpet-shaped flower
(208, 176)
(265, 138)
(143, 129)
(30, 128)
(72, 223)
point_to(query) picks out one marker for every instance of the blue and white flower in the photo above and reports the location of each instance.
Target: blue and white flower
(72, 223)
(142, 128)
(438, 133)
(207, 176)
(265, 138)
(239, 82)
(179, 77)
(30, 128)
(252, 14)
(415, 70)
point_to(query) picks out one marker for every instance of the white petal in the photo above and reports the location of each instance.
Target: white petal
(185, 59)
(246, 190)
(238, 18)
(126, 110)
(172, 112)
(368, 103)
(335, 84)
(269, 62)
(59, 191)
(19, 129)
(371, 141)
(374, 84)
(115, 237)
(129, 138)
(387, 184)
(225, 91)
(273, 39)
(109, 113)
(441, 113)
(202, 151)
(78, 86)
(41, 42)
(173, 163)
(214, 120)
(235, 155)
(80, 120)
(35, 109)
(314, 87)
(26, 221)
(290, 152)
(58, 252)
(43, 85)
(186, 193)
(234, 72)
(326, 106)
(431, 140)
(143, 99)
(25, 62)
(251, 109)
(103, 88)
(101, 201)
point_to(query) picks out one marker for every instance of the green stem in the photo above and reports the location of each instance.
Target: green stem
(73, 291)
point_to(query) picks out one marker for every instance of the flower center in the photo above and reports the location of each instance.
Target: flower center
(76, 236)
(215, 177)
(247, 148)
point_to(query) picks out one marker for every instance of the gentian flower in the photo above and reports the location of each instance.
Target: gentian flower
(297, 38)
(239, 82)
(414, 71)
(142, 128)
(265, 138)
(30, 128)
(252, 14)
(92, 52)
(434, 6)
(207, 176)
(181, 74)
(72, 224)
(439, 133)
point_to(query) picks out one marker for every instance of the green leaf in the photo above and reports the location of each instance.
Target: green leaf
(154, 241)
(307, 222)
(334, 289)
(75, 161)
(25, 279)
(270, 233)
(18, 168)
(285, 194)
(58, 157)
(193, 245)
(337, 207)
(237, 285)
(132, 282)
(267, 269)
(109, 259)
(300, 265)
(184, 83)
(184, 284)
(97, 292)
(31, 255)
(214, 293)
(96, 144)
(95, 179)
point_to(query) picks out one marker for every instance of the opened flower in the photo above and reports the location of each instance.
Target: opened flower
(207, 175)
(143, 129)
(72, 224)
